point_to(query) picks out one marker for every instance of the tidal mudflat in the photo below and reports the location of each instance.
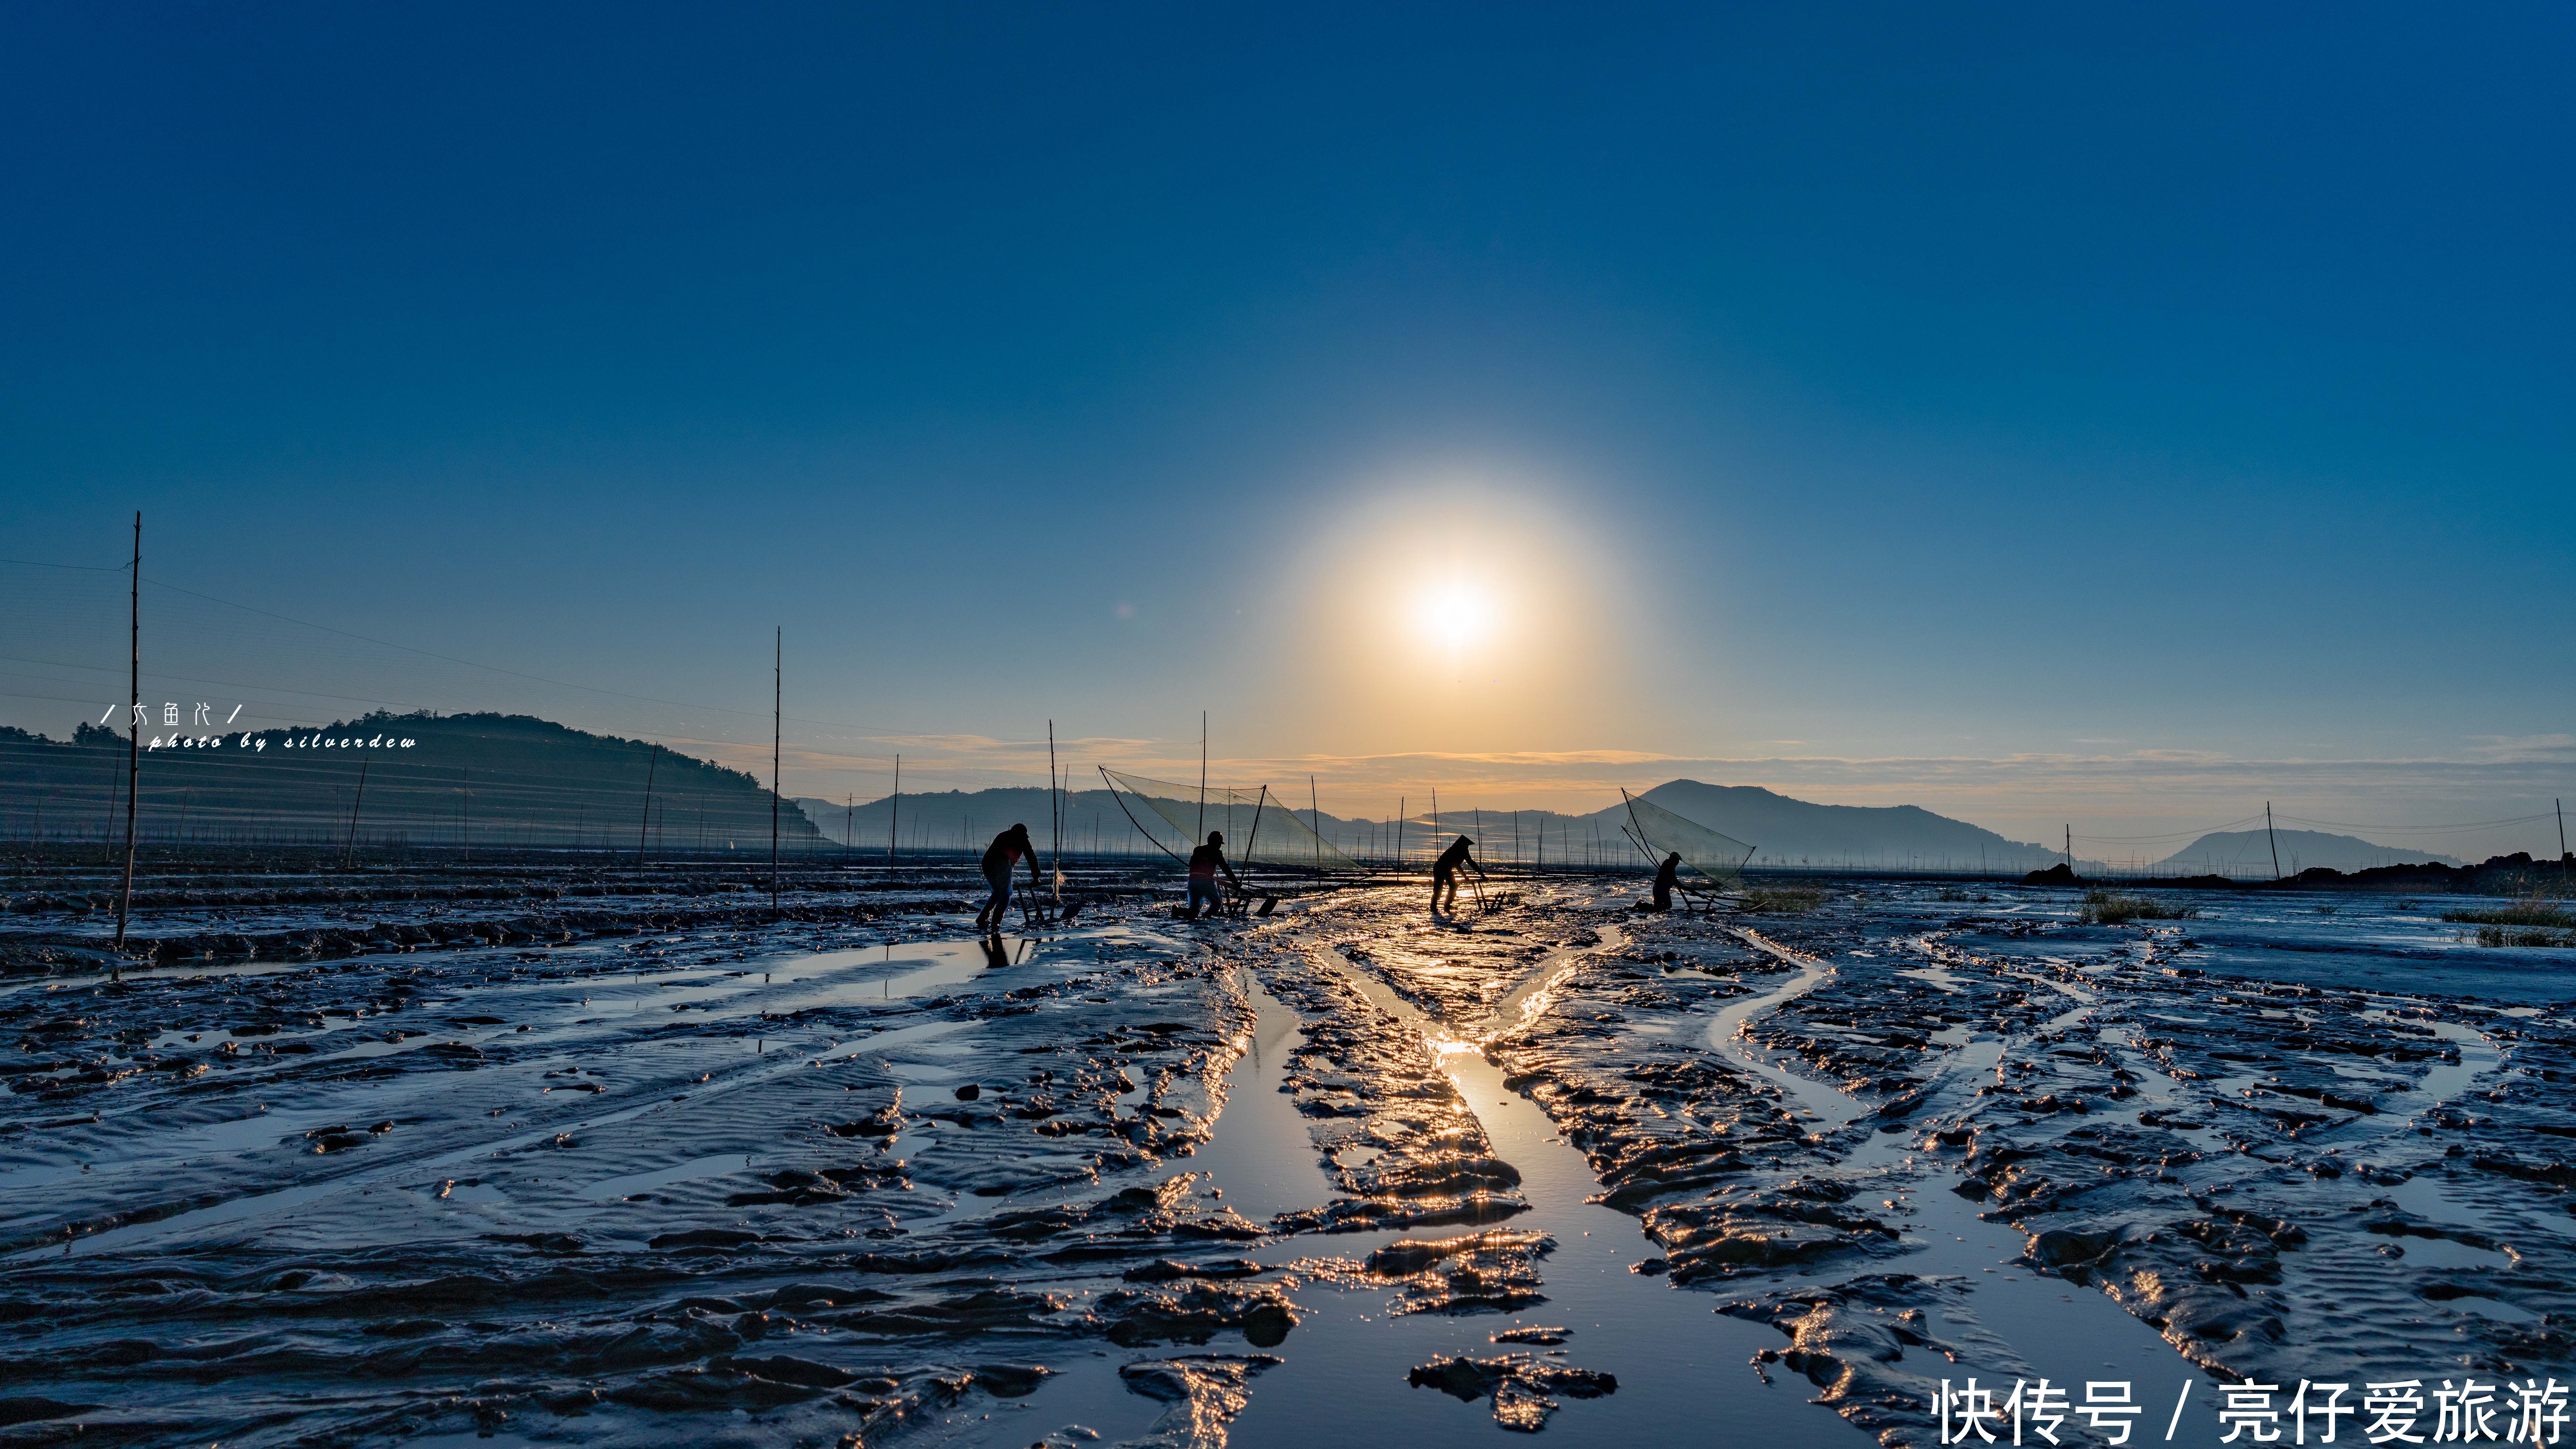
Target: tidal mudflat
(858, 1178)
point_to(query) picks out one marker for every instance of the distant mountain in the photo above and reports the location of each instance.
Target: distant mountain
(1785, 832)
(950, 820)
(2247, 854)
(387, 779)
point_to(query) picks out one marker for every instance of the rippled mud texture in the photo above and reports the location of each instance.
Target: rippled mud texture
(2283, 1180)
(58, 905)
(848, 1179)
(837, 1183)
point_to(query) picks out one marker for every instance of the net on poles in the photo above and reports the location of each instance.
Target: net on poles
(1718, 859)
(1259, 830)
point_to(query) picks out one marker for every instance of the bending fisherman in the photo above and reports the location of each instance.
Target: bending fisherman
(1668, 877)
(1205, 862)
(1444, 871)
(1007, 850)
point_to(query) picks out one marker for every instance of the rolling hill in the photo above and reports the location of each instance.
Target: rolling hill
(2246, 854)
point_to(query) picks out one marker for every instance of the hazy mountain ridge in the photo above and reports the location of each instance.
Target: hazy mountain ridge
(466, 778)
(2231, 852)
(1782, 830)
(1788, 831)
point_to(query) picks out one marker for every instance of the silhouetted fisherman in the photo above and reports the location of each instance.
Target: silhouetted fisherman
(1444, 871)
(1668, 877)
(1007, 850)
(1205, 862)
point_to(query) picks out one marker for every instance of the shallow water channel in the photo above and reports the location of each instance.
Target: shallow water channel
(1677, 1361)
(1686, 1373)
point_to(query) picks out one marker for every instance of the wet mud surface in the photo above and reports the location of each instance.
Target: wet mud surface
(1348, 1171)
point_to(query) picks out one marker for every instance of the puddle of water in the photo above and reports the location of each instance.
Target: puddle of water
(893, 971)
(1261, 1154)
(2423, 1196)
(158, 973)
(1085, 1392)
(1726, 1036)
(1344, 1379)
(2443, 1253)
(2491, 1308)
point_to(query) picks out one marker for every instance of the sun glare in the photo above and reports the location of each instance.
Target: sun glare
(1457, 616)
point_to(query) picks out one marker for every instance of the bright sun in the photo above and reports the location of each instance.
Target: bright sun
(1457, 615)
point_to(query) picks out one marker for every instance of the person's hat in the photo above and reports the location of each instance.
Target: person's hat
(1216, 837)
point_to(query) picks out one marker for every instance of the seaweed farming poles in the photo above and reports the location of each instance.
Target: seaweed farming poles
(777, 722)
(133, 722)
(646, 824)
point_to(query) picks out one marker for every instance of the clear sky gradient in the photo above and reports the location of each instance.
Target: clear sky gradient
(2036, 413)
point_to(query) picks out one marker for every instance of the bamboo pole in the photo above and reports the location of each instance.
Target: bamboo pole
(777, 731)
(349, 847)
(133, 724)
(647, 823)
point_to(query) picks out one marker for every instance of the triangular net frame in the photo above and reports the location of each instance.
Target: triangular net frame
(1716, 858)
(1259, 829)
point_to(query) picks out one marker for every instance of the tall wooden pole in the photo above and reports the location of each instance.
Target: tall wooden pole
(1315, 818)
(2274, 839)
(895, 822)
(350, 846)
(777, 732)
(647, 823)
(1202, 827)
(133, 722)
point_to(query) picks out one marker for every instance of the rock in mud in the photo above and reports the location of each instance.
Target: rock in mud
(1164, 1270)
(1519, 1386)
(1748, 1228)
(1197, 1310)
(36, 1410)
(1205, 1393)
(1849, 1340)
(704, 1240)
(988, 1310)
(1495, 1271)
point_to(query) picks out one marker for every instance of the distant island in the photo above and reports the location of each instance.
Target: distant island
(2249, 852)
(468, 780)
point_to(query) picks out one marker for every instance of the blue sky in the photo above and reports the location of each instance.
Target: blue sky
(2025, 411)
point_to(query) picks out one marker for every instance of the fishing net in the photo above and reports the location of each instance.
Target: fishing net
(1717, 858)
(1259, 829)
